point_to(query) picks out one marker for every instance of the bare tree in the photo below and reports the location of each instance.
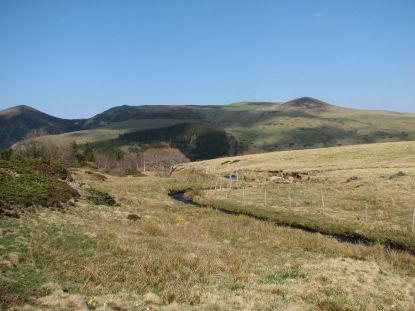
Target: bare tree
(30, 146)
(164, 160)
(120, 160)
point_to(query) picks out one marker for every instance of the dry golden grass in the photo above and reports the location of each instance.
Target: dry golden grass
(374, 204)
(382, 155)
(190, 258)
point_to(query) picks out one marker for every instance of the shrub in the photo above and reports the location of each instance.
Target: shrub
(33, 182)
(59, 170)
(6, 154)
(99, 197)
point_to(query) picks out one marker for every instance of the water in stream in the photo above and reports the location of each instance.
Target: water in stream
(180, 196)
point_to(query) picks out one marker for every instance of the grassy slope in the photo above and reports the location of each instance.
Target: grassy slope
(389, 201)
(396, 154)
(199, 258)
(16, 122)
(109, 132)
(272, 126)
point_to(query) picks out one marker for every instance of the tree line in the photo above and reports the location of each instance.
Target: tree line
(161, 159)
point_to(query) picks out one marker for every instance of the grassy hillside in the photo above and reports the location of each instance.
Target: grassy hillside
(364, 191)
(258, 126)
(287, 126)
(381, 155)
(109, 132)
(154, 253)
(18, 121)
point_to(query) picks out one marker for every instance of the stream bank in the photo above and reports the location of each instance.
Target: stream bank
(354, 238)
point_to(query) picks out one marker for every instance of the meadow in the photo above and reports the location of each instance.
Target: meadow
(364, 191)
(175, 256)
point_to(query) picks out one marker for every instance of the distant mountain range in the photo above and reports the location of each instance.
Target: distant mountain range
(248, 126)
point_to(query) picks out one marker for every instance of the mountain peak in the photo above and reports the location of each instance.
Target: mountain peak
(306, 103)
(16, 110)
(17, 121)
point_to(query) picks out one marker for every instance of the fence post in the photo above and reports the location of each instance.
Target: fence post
(265, 196)
(413, 221)
(243, 195)
(289, 199)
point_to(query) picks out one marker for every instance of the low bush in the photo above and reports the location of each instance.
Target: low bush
(34, 182)
(99, 197)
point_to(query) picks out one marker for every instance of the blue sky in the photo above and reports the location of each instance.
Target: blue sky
(77, 58)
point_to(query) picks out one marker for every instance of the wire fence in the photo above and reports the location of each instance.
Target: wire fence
(303, 198)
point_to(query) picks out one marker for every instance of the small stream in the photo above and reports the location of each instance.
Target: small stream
(231, 177)
(181, 197)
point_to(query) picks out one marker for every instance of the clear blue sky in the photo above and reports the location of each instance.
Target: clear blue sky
(77, 58)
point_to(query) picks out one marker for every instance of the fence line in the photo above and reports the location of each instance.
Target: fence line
(239, 183)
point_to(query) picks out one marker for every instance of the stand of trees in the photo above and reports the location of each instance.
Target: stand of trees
(162, 160)
(198, 141)
(31, 148)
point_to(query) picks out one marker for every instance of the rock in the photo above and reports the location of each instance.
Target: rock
(397, 175)
(151, 298)
(133, 217)
(353, 178)
(278, 180)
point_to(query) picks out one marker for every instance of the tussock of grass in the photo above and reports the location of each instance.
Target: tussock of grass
(281, 275)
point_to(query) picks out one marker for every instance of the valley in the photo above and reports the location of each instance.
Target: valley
(152, 252)
(207, 155)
